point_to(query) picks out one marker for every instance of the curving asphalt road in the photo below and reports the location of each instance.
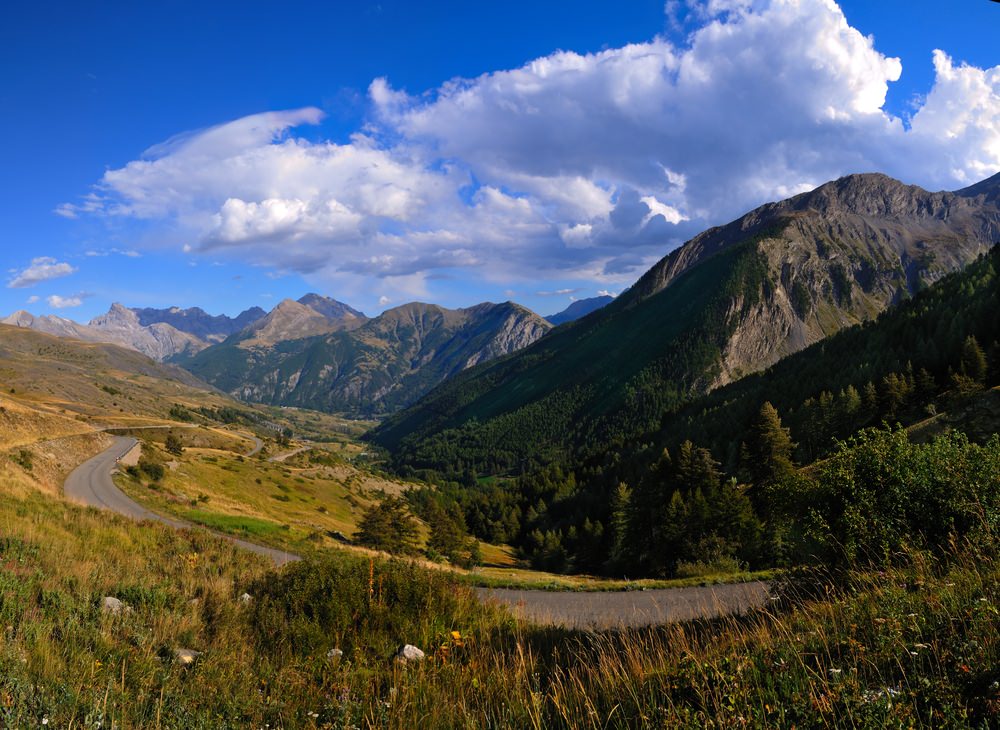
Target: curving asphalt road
(257, 446)
(630, 609)
(91, 484)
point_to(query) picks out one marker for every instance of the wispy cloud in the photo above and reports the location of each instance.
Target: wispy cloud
(97, 253)
(42, 268)
(556, 293)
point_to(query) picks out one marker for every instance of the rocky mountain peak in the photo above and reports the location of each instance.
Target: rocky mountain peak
(118, 316)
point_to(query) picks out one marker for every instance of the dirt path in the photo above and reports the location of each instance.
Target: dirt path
(629, 609)
(280, 458)
(91, 484)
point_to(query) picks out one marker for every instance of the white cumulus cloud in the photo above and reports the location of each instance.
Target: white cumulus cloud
(576, 166)
(57, 302)
(41, 269)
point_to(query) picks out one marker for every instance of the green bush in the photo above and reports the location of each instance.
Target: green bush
(367, 608)
(880, 494)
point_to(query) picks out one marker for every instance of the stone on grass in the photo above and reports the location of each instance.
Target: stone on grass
(186, 657)
(408, 653)
(334, 654)
(246, 598)
(114, 606)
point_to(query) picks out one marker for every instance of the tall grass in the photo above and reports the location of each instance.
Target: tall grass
(916, 645)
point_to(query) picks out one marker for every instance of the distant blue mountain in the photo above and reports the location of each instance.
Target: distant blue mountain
(579, 308)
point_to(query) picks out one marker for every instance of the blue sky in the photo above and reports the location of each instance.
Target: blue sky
(227, 155)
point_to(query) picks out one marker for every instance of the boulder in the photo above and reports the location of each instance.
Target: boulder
(408, 653)
(114, 606)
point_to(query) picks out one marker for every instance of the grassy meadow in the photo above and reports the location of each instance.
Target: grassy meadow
(912, 646)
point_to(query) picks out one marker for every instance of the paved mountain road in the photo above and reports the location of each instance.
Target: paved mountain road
(91, 484)
(630, 609)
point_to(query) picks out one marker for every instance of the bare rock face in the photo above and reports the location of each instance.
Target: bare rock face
(195, 321)
(119, 326)
(834, 257)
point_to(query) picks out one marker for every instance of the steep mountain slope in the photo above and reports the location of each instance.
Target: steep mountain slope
(579, 308)
(377, 367)
(293, 320)
(93, 380)
(332, 309)
(159, 341)
(731, 301)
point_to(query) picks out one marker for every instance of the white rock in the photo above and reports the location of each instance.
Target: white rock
(246, 598)
(113, 606)
(334, 654)
(409, 653)
(186, 657)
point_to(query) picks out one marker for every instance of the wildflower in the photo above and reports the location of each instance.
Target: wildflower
(45, 721)
(835, 672)
(921, 646)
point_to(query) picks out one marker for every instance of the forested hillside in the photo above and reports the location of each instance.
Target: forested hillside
(716, 480)
(732, 301)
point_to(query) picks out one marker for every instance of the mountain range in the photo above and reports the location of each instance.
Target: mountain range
(360, 366)
(732, 301)
(317, 352)
(158, 333)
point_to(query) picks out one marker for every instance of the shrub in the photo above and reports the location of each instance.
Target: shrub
(366, 608)
(879, 494)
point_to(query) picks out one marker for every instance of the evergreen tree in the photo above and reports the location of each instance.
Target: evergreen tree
(620, 509)
(770, 447)
(174, 445)
(848, 409)
(388, 526)
(974, 364)
(447, 532)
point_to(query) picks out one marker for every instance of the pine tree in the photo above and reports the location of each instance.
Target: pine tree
(388, 526)
(770, 447)
(620, 504)
(974, 364)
